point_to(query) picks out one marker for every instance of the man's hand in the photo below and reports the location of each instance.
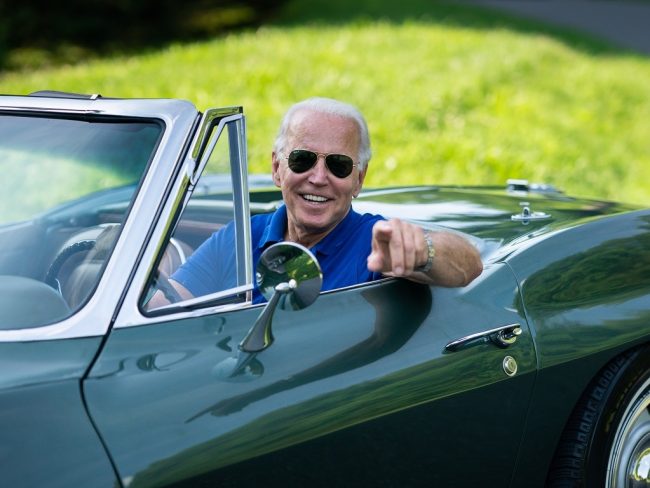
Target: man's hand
(399, 248)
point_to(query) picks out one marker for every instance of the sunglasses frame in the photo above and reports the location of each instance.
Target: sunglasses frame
(327, 164)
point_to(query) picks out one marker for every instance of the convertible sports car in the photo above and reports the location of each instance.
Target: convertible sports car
(536, 374)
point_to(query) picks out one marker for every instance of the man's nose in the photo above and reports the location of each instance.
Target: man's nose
(319, 171)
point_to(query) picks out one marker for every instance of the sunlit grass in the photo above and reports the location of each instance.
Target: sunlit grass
(446, 103)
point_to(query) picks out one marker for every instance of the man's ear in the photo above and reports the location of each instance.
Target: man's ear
(362, 176)
(275, 169)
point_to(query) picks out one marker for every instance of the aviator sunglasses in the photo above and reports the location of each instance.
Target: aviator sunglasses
(301, 160)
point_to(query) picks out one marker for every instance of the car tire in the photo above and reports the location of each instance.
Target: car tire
(606, 442)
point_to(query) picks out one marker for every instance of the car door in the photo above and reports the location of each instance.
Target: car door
(391, 383)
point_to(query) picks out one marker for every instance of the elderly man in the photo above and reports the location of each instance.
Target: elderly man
(319, 161)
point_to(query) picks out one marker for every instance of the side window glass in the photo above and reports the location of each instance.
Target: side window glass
(203, 258)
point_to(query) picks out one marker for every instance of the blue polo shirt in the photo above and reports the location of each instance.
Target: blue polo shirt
(342, 253)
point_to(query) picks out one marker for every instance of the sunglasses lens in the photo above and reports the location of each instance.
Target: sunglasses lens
(339, 164)
(301, 160)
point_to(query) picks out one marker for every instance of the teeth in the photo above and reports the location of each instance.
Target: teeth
(314, 198)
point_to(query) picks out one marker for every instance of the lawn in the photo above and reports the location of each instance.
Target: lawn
(452, 94)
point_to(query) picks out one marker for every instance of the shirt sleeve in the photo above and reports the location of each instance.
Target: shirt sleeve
(211, 267)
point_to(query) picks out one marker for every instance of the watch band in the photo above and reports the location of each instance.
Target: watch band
(431, 254)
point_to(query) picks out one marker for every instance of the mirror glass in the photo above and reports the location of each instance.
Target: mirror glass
(288, 263)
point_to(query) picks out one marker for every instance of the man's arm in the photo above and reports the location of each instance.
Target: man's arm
(159, 299)
(399, 248)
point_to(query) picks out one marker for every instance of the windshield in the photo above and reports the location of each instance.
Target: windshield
(66, 186)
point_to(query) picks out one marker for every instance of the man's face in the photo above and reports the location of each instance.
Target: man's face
(317, 200)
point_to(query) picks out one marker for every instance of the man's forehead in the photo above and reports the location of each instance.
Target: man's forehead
(310, 123)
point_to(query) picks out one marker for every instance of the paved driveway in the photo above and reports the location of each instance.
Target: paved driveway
(623, 23)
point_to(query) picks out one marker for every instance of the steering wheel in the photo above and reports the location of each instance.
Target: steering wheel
(163, 284)
(75, 271)
(52, 276)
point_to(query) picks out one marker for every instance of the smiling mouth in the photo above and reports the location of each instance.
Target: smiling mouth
(315, 198)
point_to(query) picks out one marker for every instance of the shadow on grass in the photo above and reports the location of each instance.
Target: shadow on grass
(444, 13)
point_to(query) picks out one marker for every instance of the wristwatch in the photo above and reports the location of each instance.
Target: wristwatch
(431, 254)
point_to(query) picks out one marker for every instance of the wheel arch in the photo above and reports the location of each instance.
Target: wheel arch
(586, 444)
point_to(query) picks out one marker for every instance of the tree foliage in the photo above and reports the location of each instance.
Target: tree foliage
(110, 25)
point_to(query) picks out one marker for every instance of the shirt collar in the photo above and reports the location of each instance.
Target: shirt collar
(338, 236)
(274, 232)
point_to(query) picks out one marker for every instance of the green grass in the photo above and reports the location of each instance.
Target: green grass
(452, 94)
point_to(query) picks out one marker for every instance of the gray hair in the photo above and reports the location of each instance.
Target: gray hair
(328, 106)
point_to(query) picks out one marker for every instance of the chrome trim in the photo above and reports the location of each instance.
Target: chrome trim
(528, 215)
(209, 141)
(51, 110)
(204, 132)
(208, 298)
(502, 336)
(510, 366)
(242, 204)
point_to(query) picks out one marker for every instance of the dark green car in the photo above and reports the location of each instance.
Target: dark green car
(536, 374)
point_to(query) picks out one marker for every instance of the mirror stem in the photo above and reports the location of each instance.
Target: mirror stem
(260, 336)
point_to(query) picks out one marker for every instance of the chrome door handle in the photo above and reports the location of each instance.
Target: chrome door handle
(502, 337)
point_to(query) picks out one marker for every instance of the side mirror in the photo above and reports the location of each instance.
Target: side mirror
(289, 277)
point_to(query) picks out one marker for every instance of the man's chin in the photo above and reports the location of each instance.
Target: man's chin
(316, 226)
(314, 222)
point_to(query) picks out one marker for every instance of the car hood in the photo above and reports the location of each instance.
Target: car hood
(493, 216)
